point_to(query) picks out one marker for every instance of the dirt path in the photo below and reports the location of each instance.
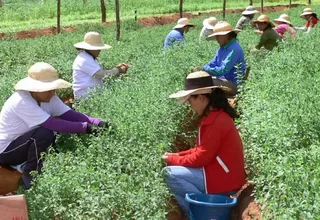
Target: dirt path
(147, 22)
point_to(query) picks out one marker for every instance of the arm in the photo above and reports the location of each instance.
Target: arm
(64, 126)
(74, 116)
(182, 153)
(226, 65)
(103, 73)
(263, 40)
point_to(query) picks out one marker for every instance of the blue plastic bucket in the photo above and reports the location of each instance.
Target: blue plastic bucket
(209, 207)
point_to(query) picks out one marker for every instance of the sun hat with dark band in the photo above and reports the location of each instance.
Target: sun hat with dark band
(263, 19)
(307, 11)
(182, 22)
(196, 83)
(250, 10)
(284, 18)
(41, 77)
(92, 41)
(222, 28)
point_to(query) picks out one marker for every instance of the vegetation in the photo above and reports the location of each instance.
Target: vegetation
(118, 176)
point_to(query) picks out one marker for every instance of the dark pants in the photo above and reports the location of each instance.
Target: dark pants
(27, 148)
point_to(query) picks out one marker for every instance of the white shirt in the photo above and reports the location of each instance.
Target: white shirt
(205, 33)
(21, 113)
(84, 67)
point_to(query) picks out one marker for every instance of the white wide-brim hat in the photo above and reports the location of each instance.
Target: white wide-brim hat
(196, 83)
(41, 77)
(209, 23)
(250, 10)
(92, 41)
(182, 22)
(222, 28)
(284, 18)
(307, 11)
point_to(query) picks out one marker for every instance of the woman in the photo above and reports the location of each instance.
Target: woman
(311, 18)
(208, 25)
(228, 65)
(269, 38)
(216, 164)
(247, 16)
(87, 72)
(284, 26)
(30, 117)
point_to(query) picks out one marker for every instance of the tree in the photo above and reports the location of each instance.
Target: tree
(103, 11)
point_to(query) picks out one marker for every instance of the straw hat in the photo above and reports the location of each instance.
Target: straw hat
(250, 10)
(41, 77)
(307, 11)
(183, 22)
(209, 23)
(196, 83)
(222, 28)
(92, 41)
(283, 18)
(262, 19)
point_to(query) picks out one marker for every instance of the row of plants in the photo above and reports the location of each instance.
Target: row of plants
(42, 13)
(118, 176)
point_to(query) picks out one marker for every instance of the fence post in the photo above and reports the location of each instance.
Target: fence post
(262, 6)
(118, 20)
(58, 16)
(103, 11)
(181, 8)
(309, 2)
(250, 2)
(290, 4)
(224, 9)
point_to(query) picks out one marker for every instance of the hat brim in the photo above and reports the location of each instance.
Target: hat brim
(250, 12)
(86, 46)
(32, 85)
(184, 95)
(213, 36)
(183, 25)
(279, 21)
(306, 13)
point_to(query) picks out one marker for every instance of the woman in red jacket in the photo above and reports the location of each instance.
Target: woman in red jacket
(216, 164)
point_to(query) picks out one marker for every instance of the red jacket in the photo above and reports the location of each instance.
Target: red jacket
(218, 151)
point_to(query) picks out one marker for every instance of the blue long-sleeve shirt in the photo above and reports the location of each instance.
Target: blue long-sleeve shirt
(174, 37)
(228, 63)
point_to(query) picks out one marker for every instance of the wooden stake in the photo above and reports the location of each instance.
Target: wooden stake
(261, 6)
(58, 16)
(224, 9)
(103, 11)
(118, 20)
(181, 8)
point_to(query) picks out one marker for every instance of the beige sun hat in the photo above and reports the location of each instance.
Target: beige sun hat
(183, 22)
(307, 11)
(41, 77)
(250, 10)
(196, 83)
(92, 41)
(284, 18)
(222, 28)
(262, 19)
(209, 23)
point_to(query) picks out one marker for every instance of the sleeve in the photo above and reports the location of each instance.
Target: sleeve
(281, 29)
(90, 67)
(103, 73)
(204, 153)
(240, 23)
(182, 153)
(31, 113)
(263, 40)
(57, 107)
(74, 116)
(226, 65)
(65, 126)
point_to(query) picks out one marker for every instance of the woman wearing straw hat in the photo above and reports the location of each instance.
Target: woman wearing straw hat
(28, 120)
(216, 164)
(247, 16)
(269, 38)
(311, 18)
(177, 34)
(284, 26)
(87, 72)
(228, 64)
(208, 25)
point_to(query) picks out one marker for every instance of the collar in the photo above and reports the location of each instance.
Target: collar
(209, 119)
(229, 43)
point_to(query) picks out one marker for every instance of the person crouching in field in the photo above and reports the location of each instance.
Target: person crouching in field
(311, 18)
(247, 16)
(269, 38)
(228, 65)
(176, 35)
(87, 72)
(208, 25)
(30, 117)
(216, 164)
(284, 26)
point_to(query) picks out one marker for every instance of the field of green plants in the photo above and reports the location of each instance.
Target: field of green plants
(16, 15)
(118, 176)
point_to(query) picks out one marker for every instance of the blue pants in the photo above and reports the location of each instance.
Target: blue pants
(181, 180)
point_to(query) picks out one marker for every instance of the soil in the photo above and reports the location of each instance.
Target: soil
(147, 22)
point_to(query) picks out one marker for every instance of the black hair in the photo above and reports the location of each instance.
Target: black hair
(233, 34)
(88, 52)
(218, 100)
(314, 15)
